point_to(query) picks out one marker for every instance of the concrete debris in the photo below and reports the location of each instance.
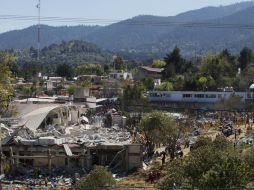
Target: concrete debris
(56, 126)
(62, 140)
(81, 134)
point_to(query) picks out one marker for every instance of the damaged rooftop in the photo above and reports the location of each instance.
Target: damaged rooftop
(66, 136)
(63, 124)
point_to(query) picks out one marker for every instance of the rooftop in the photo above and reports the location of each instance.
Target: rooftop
(151, 69)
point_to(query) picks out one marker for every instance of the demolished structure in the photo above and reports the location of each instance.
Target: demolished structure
(60, 137)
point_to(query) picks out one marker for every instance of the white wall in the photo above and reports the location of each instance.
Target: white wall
(177, 96)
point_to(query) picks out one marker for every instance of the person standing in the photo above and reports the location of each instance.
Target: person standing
(174, 187)
(163, 159)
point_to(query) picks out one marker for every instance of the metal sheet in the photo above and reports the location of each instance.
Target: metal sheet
(67, 150)
(33, 119)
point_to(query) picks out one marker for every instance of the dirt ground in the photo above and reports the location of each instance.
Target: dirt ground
(138, 180)
(135, 181)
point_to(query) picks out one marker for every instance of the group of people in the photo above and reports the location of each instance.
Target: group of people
(238, 118)
(154, 176)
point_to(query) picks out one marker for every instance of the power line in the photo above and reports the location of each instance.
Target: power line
(19, 17)
(132, 22)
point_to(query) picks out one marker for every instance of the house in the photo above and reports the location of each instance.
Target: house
(92, 78)
(80, 94)
(145, 71)
(53, 83)
(121, 75)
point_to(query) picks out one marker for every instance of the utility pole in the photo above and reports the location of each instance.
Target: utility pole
(1, 160)
(39, 29)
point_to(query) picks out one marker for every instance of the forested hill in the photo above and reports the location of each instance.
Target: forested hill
(145, 37)
(27, 37)
(72, 52)
(209, 13)
(149, 31)
(232, 32)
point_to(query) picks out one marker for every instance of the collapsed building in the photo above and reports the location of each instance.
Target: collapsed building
(60, 138)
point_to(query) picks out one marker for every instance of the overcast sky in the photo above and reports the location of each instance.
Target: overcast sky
(95, 9)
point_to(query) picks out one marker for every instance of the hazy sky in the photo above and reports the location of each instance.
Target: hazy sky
(95, 9)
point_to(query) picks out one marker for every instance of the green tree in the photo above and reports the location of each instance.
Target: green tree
(226, 54)
(199, 162)
(245, 57)
(11, 61)
(246, 78)
(99, 178)
(179, 81)
(30, 70)
(222, 143)
(119, 64)
(71, 89)
(85, 83)
(159, 127)
(249, 159)
(148, 83)
(218, 68)
(153, 124)
(7, 58)
(232, 172)
(158, 63)
(64, 70)
(133, 97)
(212, 164)
(202, 141)
(202, 81)
(106, 69)
(24, 89)
(167, 86)
(89, 69)
(175, 175)
(173, 63)
(6, 91)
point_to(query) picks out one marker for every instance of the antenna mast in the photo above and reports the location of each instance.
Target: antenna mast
(39, 29)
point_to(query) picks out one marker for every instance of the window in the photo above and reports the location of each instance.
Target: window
(210, 96)
(199, 95)
(160, 94)
(187, 95)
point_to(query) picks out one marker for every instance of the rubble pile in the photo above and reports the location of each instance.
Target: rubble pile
(106, 136)
(82, 132)
(88, 135)
(51, 143)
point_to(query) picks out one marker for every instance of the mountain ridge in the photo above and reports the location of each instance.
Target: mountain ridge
(151, 35)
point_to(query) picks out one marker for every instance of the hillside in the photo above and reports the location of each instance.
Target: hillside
(208, 13)
(145, 30)
(27, 37)
(72, 52)
(147, 36)
(227, 32)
